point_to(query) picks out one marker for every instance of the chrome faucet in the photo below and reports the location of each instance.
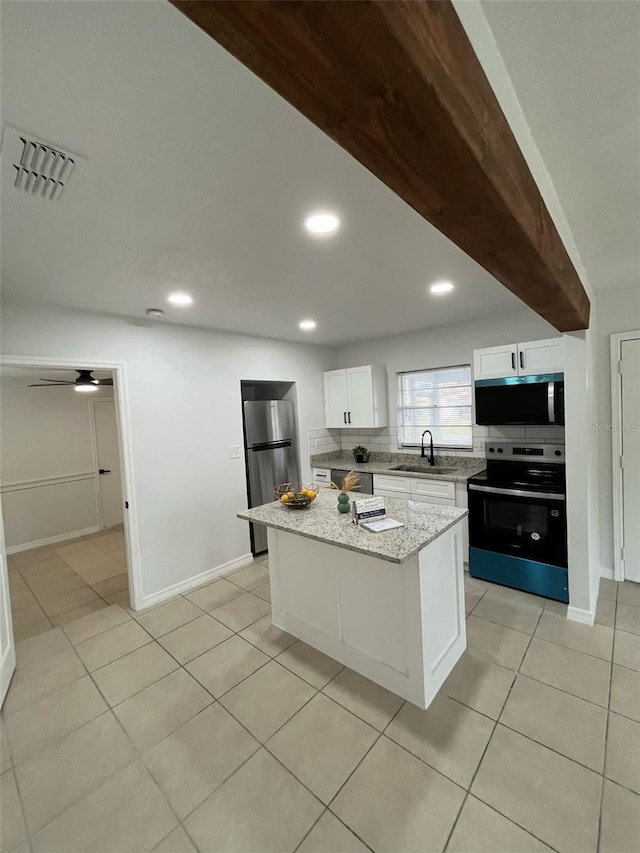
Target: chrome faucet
(432, 461)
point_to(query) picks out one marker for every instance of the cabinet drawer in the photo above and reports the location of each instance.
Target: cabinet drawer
(391, 484)
(385, 493)
(322, 476)
(429, 499)
(434, 489)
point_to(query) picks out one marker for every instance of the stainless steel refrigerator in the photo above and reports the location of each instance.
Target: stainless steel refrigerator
(271, 455)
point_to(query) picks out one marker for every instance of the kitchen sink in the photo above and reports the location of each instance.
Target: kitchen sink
(422, 469)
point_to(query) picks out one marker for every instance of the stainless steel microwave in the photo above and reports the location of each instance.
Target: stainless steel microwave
(536, 400)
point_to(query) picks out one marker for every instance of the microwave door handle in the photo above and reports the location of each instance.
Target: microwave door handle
(551, 402)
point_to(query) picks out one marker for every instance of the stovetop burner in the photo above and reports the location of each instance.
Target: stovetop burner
(535, 467)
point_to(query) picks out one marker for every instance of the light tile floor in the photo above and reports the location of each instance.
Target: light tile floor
(198, 726)
(58, 583)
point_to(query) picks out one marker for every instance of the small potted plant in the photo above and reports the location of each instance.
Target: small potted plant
(360, 453)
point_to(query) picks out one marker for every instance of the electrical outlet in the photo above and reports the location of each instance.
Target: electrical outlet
(234, 451)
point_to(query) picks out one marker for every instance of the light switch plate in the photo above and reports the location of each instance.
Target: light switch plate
(234, 451)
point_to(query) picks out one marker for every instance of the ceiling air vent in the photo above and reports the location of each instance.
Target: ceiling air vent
(38, 168)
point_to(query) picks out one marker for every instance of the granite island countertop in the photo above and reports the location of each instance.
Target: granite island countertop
(460, 474)
(321, 521)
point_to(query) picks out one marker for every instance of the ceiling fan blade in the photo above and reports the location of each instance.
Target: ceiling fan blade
(57, 381)
(49, 384)
(105, 382)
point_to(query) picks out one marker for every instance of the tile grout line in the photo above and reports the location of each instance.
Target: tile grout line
(606, 733)
(484, 752)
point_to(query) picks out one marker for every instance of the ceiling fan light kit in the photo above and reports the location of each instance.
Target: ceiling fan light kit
(85, 382)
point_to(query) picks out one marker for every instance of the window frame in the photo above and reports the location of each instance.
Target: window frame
(400, 408)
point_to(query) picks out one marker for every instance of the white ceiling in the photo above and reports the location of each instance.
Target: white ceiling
(575, 67)
(198, 177)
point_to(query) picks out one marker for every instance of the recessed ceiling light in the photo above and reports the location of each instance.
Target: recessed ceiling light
(179, 298)
(441, 287)
(322, 223)
(308, 325)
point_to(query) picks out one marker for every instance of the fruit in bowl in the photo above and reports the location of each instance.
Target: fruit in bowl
(296, 495)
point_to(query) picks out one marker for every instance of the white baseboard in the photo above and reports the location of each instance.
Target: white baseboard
(52, 540)
(198, 580)
(606, 572)
(576, 614)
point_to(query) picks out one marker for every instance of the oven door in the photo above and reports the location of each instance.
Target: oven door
(519, 523)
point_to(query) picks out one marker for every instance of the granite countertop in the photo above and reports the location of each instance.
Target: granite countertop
(321, 521)
(464, 468)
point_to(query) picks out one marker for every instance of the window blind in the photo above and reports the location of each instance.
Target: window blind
(439, 400)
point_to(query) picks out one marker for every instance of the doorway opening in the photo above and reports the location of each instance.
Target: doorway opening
(66, 491)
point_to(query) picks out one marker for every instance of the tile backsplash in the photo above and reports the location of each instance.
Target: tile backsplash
(385, 440)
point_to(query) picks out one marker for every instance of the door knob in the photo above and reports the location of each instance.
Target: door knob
(104, 471)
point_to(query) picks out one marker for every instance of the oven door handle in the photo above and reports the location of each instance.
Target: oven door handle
(516, 493)
(551, 402)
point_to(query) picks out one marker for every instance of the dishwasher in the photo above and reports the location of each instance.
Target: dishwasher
(366, 480)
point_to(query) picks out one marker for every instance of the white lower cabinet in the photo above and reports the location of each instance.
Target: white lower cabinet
(321, 476)
(443, 492)
(387, 493)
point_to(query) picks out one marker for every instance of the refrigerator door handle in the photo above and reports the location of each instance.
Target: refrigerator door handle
(271, 445)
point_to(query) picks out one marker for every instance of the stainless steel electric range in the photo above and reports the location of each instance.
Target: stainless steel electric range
(518, 519)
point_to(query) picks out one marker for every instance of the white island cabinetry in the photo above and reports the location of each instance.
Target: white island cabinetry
(389, 606)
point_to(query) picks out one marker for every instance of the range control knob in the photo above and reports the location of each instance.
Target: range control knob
(500, 450)
(492, 450)
(558, 453)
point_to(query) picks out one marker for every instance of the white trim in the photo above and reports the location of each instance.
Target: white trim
(616, 450)
(121, 397)
(606, 572)
(48, 481)
(51, 540)
(576, 614)
(198, 580)
(94, 459)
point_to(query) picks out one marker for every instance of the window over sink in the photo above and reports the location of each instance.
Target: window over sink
(438, 399)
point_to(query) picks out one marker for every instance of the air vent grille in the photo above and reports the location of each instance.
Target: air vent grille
(39, 169)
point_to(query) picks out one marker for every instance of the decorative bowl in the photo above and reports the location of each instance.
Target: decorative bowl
(296, 495)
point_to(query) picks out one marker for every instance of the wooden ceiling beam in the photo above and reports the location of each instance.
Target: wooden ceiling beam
(398, 86)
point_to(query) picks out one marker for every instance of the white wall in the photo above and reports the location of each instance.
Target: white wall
(46, 436)
(185, 412)
(440, 347)
(618, 311)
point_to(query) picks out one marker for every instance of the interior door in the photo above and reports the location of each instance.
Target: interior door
(7, 645)
(360, 392)
(108, 458)
(630, 351)
(335, 398)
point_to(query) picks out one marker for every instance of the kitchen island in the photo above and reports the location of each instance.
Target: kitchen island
(388, 605)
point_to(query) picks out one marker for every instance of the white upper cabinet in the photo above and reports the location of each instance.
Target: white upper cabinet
(355, 397)
(519, 359)
(336, 399)
(541, 357)
(495, 362)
